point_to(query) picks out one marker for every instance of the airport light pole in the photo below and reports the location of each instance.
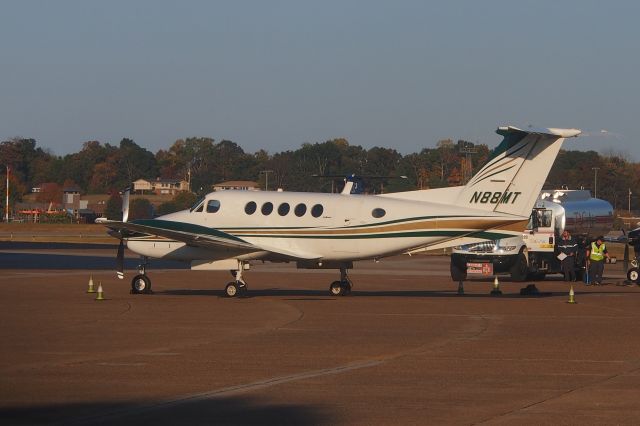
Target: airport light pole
(6, 211)
(266, 178)
(629, 207)
(595, 181)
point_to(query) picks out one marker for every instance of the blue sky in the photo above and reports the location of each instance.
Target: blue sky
(276, 74)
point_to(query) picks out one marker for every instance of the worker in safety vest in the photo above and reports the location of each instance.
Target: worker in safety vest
(596, 253)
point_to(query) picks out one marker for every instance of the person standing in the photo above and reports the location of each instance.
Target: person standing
(568, 247)
(595, 255)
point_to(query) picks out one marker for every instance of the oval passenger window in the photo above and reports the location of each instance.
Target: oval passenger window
(316, 211)
(378, 213)
(250, 208)
(267, 208)
(284, 208)
(300, 210)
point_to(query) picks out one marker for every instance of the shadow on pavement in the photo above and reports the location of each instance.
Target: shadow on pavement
(68, 261)
(214, 411)
(324, 294)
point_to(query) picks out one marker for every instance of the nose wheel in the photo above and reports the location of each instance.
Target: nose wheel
(238, 287)
(235, 288)
(140, 284)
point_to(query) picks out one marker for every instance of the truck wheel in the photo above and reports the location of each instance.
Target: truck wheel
(520, 269)
(457, 274)
(633, 274)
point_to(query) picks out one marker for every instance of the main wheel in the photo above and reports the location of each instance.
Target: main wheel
(633, 274)
(140, 284)
(346, 287)
(337, 288)
(231, 290)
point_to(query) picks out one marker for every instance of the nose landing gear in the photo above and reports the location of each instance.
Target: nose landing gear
(141, 284)
(239, 286)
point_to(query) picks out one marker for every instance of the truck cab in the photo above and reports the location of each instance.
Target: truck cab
(544, 228)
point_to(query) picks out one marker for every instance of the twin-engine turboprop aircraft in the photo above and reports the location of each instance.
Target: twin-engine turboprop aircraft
(229, 229)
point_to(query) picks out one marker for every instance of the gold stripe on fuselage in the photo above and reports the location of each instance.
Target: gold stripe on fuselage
(433, 224)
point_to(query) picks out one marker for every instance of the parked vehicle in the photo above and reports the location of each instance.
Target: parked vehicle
(633, 239)
(533, 253)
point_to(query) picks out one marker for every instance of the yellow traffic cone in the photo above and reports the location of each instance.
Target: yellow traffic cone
(91, 289)
(496, 287)
(100, 295)
(571, 295)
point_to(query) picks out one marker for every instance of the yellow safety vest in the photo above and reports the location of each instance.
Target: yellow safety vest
(597, 253)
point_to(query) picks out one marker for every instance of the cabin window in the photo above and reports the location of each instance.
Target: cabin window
(316, 211)
(300, 210)
(213, 206)
(251, 207)
(283, 209)
(267, 208)
(378, 213)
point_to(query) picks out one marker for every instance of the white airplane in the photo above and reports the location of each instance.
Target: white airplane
(229, 229)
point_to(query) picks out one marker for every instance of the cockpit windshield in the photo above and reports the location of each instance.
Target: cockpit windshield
(197, 206)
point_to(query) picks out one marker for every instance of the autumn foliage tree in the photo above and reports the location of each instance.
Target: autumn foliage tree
(101, 168)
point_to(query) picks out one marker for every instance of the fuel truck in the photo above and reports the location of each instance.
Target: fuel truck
(533, 253)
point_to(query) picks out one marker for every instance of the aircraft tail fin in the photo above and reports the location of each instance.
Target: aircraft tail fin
(513, 177)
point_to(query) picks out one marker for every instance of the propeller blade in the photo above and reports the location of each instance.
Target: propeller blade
(120, 261)
(125, 204)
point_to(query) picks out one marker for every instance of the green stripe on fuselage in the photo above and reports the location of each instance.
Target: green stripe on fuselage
(412, 234)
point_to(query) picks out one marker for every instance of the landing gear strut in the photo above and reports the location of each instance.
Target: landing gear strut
(141, 283)
(239, 286)
(342, 287)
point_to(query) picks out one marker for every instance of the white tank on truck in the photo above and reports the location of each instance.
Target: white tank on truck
(534, 252)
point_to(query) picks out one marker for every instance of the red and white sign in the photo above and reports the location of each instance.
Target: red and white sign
(479, 268)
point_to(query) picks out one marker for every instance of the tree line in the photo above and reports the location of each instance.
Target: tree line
(100, 168)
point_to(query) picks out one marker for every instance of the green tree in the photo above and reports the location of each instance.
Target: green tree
(134, 163)
(140, 208)
(81, 165)
(182, 200)
(113, 207)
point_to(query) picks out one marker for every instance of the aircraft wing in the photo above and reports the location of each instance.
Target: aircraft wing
(194, 235)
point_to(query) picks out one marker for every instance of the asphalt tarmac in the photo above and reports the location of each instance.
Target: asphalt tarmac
(403, 348)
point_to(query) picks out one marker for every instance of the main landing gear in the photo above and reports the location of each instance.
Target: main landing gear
(141, 283)
(239, 286)
(342, 287)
